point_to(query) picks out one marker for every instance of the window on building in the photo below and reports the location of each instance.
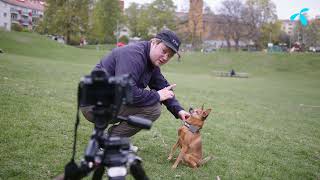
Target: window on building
(25, 17)
(25, 11)
(14, 16)
(34, 20)
(5, 14)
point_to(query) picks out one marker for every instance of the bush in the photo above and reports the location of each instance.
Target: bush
(109, 40)
(25, 30)
(74, 40)
(41, 28)
(16, 27)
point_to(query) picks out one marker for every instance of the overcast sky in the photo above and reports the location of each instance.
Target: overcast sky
(285, 8)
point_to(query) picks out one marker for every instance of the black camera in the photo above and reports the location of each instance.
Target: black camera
(102, 91)
(106, 95)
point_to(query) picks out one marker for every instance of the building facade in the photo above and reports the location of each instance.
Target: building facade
(288, 26)
(25, 13)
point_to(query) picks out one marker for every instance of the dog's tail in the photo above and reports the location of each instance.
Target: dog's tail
(205, 160)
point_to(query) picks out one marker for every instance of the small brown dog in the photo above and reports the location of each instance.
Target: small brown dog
(190, 140)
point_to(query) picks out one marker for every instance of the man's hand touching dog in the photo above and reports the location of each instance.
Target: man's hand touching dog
(184, 115)
(167, 93)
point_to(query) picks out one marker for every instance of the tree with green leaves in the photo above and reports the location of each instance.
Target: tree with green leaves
(138, 20)
(132, 18)
(162, 14)
(270, 33)
(66, 17)
(145, 23)
(106, 15)
(147, 19)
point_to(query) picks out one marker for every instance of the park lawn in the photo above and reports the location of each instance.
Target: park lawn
(266, 126)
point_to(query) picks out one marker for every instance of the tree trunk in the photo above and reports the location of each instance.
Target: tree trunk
(236, 42)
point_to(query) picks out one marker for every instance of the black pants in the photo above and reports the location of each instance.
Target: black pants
(123, 129)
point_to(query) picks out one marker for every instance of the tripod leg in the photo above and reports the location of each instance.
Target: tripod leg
(98, 173)
(137, 171)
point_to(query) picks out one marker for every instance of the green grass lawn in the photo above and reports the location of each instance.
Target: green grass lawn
(266, 126)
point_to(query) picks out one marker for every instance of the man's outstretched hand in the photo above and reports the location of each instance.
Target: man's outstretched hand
(166, 93)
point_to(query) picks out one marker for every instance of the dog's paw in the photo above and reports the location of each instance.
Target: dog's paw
(170, 158)
(174, 167)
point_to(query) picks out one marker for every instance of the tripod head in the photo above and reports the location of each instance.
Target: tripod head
(106, 95)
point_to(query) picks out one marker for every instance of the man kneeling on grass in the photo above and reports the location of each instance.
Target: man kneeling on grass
(143, 61)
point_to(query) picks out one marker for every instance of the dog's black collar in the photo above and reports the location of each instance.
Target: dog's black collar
(191, 127)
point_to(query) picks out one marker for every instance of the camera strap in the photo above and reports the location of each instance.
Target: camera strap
(76, 125)
(71, 170)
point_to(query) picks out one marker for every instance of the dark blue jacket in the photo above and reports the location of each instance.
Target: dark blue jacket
(135, 60)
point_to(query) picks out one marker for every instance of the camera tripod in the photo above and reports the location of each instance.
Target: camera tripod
(106, 94)
(106, 151)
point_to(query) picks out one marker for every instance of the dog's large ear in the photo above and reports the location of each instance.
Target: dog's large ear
(206, 113)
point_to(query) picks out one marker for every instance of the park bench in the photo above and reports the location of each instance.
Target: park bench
(229, 74)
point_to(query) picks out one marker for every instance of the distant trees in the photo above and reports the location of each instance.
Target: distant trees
(138, 20)
(256, 14)
(249, 20)
(66, 17)
(106, 15)
(71, 19)
(162, 14)
(231, 23)
(312, 33)
(147, 19)
(97, 20)
(270, 33)
(134, 14)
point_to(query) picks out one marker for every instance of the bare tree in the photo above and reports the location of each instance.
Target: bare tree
(245, 21)
(231, 21)
(312, 33)
(255, 14)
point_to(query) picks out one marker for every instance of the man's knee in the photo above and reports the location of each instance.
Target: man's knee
(157, 111)
(149, 112)
(152, 112)
(87, 112)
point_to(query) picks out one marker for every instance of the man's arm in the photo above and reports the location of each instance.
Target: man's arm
(158, 82)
